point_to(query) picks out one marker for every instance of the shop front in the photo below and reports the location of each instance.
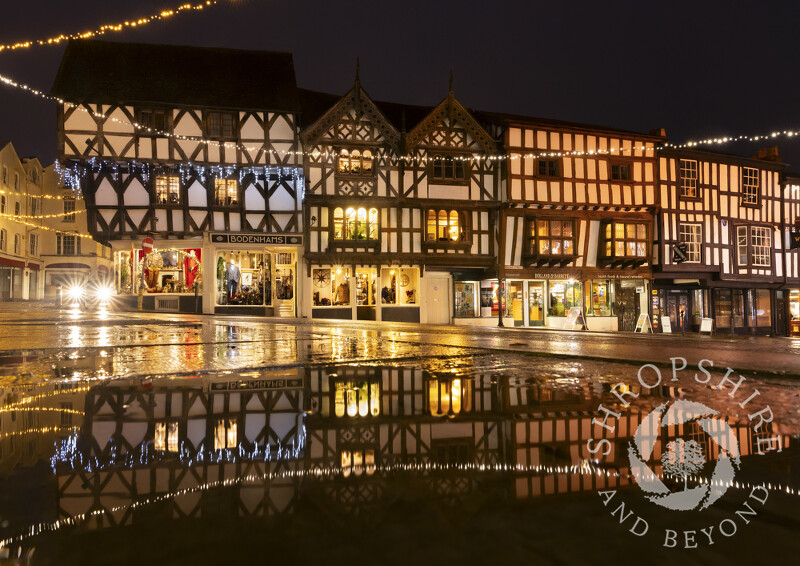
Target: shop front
(794, 312)
(365, 293)
(477, 300)
(254, 274)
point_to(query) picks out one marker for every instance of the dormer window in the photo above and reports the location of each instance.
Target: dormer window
(355, 162)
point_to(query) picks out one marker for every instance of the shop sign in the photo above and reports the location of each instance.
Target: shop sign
(559, 276)
(260, 384)
(264, 239)
(794, 241)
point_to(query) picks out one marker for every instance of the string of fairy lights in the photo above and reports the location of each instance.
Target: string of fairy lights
(586, 468)
(107, 28)
(41, 216)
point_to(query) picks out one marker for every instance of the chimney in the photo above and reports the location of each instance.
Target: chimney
(769, 154)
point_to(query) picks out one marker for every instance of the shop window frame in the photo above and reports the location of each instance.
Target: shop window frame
(464, 241)
(750, 248)
(224, 184)
(533, 256)
(460, 169)
(168, 177)
(365, 165)
(372, 380)
(345, 240)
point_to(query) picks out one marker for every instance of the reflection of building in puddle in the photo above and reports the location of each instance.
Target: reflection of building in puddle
(370, 422)
(34, 417)
(552, 428)
(189, 437)
(83, 364)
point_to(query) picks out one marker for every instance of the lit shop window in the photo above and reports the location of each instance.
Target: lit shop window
(331, 286)
(448, 397)
(355, 224)
(225, 434)
(552, 237)
(355, 162)
(166, 437)
(446, 226)
(357, 462)
(399, 285)
(563, 295)
(168, 189)
(355, 398)
(226, 192)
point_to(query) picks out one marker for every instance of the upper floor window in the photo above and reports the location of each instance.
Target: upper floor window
(691, 235)
(221, 125)
(449, 397)
(155, 120)
(5, 175)
(168, 189)
(68, 244)
(69, 209)
(226, 434)
(355, 224)
(749, 185)
(552, 237)
(2, 204)
(357, 398)
(16, 181)
(625, 240)
(34, 176)
(3, 239)
(449, 168)
(33, 239)
(548, 168)
(166, 437)
(753, 246)
(355, 162)
(446, 226)
(226, 192)
(34, 206)
(17, 244)
(620, 171)
(689, 178)
(17, 209)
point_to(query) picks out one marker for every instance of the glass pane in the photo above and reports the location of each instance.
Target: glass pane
(631, 248)
(442, 230)
(431, 225)
(608, 231)
(456, 396)
(641, 232)
(619, 231)
(630, 230)
(566, 229)
(542, 227)
(641, 249)
(568, 247)
(544, 247)
(620, 251)
(555, 228)
(454, 226)
(556, 247)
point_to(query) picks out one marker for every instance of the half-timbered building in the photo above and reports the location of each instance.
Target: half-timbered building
(577, 229)
(196, 148)
(724, 213)
(791, 235)
(393, 216)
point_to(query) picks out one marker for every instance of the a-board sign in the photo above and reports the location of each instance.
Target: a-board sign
(666, 325)
(572, 318)
(706, 325)
(643, 322)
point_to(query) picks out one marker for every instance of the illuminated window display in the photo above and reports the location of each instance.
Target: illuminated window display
(165, 271)
(599, 298)
(331, 286)
(399, 285)
(244, 278)
(563, 295)
(466, 300)
(449, 396)
(166, 437)
(794, 304)
(356, 462)
(357, 398)
(225, 434)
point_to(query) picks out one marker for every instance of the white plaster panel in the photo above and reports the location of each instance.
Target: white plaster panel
(198, 196)
(136, 195)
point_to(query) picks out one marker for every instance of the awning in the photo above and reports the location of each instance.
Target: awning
(12, 262)
(67, 266)
(34, 266)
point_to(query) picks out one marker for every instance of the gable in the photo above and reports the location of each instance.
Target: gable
(354, 119)
(451, 126)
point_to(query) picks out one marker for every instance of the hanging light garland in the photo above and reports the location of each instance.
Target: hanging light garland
(42, 227)
(35, 195)
(41, 216)
(102, 30)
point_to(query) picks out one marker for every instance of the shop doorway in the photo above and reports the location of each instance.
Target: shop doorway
(536, 304)
(627, 308)
(437, 306)
(285, 271)
(516, 302)
(366, 293)
(781, 307)
(678, 310)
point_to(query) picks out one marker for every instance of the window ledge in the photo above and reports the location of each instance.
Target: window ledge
(354, 243)
(531, 260)
(621, 261)
(445, 245)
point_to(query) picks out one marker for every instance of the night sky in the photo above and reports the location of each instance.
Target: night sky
(698, 69)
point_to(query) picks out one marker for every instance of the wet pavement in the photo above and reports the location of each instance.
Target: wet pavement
(139, 437)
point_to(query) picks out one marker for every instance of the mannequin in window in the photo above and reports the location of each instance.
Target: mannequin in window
(342, 294)
(232, 276)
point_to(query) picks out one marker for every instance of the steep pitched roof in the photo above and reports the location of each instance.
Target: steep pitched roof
(451, 110)
(109, 72)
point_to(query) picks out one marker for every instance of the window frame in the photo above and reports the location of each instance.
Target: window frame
(221, 134)
(437, 169)
(366, 166)
(684, 188)
(16, 181)
(613, 239)
(691, 244)
(345, 208)
(751, 198)
(463, 226)
(534, 238)
(612, 163)
(3, 204)
(750, 247)
(69, 209)
(17, 208)
(61, 247)
(169, 177)
(225, 183)
(3, 239)
(548, 174)
(153, 122)
(33, 245)
(17, 244)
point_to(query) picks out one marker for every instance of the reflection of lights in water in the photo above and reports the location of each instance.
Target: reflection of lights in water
(584, 468)
(103, 338)
(74, 338)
